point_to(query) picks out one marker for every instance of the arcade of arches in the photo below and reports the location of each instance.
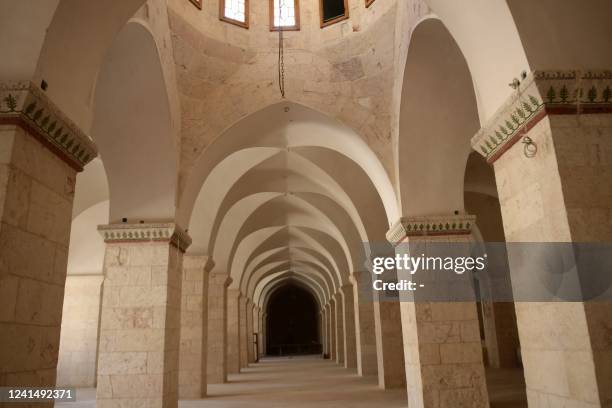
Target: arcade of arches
(172, 228)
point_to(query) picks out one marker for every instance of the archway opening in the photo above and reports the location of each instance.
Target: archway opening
(293, 322)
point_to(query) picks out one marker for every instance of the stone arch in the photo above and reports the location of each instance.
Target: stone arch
(437, 85)
(132, 125)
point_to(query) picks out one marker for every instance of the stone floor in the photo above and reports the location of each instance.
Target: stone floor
(310, 381)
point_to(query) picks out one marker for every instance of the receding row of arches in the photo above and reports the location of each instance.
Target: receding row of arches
(288, 201)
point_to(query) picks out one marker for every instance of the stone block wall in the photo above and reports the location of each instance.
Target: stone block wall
(36, 194)
(566, 187)
(140, 326)
(194, 308)
(78, 352)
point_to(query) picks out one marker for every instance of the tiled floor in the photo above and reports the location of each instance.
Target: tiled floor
(308, 382)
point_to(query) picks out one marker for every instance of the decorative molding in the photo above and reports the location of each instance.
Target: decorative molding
(136, 233)
(209, 265)
(22, 103)
(430, 226)
(544, 93)
(222, 278)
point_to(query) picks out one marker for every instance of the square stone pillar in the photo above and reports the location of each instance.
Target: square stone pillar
(140, 316)
(250, 309)
(257, 331)
(217, 328)
(550, 145)
(78, 354)
(442, 347)
(389, 343)
(41, 151)
(339, 319)
(365, 333)
(194, 326)
(348, 320)
(263, 338)
(333, 347)
(324, 331)
(233, 331)
(244, 332)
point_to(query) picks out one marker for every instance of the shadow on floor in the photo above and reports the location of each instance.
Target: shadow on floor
(506, 388)
(308, 382)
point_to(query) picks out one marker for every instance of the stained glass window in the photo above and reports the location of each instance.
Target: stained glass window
(285, 14)
(235, 11)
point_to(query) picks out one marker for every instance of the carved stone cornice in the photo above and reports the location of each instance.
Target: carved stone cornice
(220, 278)
(430, 226)
(209, 264)
(199, 261)
(23, 104)
(544, 93)
(134, 233)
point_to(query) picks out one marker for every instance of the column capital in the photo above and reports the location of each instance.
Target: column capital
(543, 93)
(355, 277)
(137, 233)
(220, 278)
(234, 293)
(348, 286)
(204, 261)
(25, 105)
(435, 225)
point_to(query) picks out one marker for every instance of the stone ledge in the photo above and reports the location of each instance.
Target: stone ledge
(224, 278)
(542, 93)
(134, 233)
(23, 104)
(430, 226)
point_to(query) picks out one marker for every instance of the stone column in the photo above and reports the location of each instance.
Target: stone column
(551, 149)
(332, 330)
(140, 317)
(330, 344)
(324, 331)
(442, 347)
(233, 331)
(256, 330)
(78, 353)
(250, 309)
(339, 312)
(389, 344)
(217, 328)
(365, 333)
(194, 327)
(41, 151)
(348, 319)
(264, 330)
(243, 331)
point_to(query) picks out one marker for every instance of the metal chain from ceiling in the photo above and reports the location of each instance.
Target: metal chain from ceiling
(281, 52)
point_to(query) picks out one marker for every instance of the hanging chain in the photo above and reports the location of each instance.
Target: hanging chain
(281, 52)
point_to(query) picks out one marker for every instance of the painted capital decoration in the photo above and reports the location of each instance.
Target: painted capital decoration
(135, 233)
(22, 103)
(430, 226)
(544, 93)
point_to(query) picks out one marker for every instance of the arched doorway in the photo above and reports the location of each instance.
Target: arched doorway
(293, 326)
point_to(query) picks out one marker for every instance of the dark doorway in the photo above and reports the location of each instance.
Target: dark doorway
(293, 322)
